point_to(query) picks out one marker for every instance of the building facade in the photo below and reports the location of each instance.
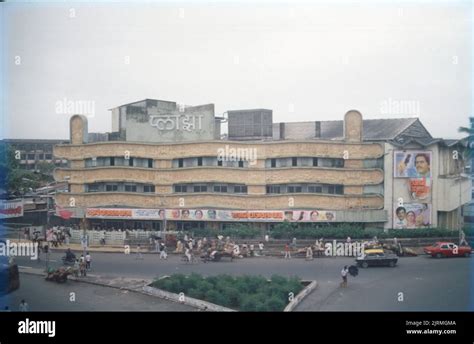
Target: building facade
(167, 165)
(32, 152)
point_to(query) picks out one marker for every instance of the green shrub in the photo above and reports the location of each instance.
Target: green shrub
(246, 293)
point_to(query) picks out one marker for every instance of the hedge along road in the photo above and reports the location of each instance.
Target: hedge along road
(426, 284)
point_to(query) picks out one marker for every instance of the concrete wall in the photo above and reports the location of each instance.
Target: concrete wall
(139, 126)
(222, 201)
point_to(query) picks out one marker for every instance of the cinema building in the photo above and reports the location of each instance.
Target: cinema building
(169, 165)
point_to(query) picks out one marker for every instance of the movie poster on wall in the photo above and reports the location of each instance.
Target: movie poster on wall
(412, 164)
(412, 215)
(420, 189)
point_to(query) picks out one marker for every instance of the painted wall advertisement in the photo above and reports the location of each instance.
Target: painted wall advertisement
(412, 215)
(412, 164)
(212, 215)
(420, 189)
(9, 209)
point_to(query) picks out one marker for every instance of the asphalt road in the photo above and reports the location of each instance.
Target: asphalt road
(416, 284)
(49, 296)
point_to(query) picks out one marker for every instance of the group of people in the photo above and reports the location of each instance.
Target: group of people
(81, 265)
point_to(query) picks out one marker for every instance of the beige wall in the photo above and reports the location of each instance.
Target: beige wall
(309, 201)
(223, 175)
(265, 150)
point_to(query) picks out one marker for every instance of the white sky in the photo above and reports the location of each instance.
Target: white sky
(307, 62)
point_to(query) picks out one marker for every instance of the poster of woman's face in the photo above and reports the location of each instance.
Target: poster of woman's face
(412, 164)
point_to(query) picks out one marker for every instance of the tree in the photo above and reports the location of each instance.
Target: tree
(12, 177)
(469, 138)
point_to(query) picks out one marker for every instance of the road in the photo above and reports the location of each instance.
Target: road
(416, 284)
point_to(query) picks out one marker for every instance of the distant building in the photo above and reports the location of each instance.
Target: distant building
(34, 151)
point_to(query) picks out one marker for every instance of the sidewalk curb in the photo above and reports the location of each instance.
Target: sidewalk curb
(301, 295)
(182, 299)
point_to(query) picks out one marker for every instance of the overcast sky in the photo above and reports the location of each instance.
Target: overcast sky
(307, 62)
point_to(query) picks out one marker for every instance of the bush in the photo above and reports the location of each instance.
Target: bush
(246, 293)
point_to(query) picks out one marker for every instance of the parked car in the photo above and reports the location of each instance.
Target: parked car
(447, 249)
(376, 257)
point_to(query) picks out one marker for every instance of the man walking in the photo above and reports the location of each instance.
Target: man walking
(139, 252)
(344, 272)
(88, 261)
(287, 252)
(163, 253)
(23, 306)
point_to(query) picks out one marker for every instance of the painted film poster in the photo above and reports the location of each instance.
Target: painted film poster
(412, 164)
(412, 215)
(420, 189)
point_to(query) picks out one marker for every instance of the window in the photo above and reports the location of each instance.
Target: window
(41, 156)
(219, 162)
(130, 161)
(331, 189)
(241, 163)
(30, 156)
(180, 188)
(240, 189)
(273, 163)
(130, 188)
(220, 188)
(315, 161)
(339, 189)
(93, 188)
(180, 162)
(149, 188)
(22, 156)
(315, 189)
(199, 161)
(294, 189)
(273, 189)
(338, 163)
(200, 188)
(111, 187)
(294, 161)
(48, 156)
(150, 163)
(112, 161)
(94, 162)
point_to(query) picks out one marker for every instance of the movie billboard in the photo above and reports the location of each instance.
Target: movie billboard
(412, 164)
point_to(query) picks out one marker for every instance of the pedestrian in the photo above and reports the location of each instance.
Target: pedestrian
(102, 238)
(157, 246)
(309, 253)
(267, 238)
(293, 244)
(260, 248)
(82, 259)
(139, 252)
(23, 306)
(188, 254)
(82, 268)
(287, 251)
(462, 238)
(344, 272)
(77, 268)
(88, 261)
(163, 253)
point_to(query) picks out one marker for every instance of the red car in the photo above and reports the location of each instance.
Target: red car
(448, 249)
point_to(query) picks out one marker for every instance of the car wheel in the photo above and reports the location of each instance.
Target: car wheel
(467, 254)
(439, 255)
(391, 264)
(365, 265)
